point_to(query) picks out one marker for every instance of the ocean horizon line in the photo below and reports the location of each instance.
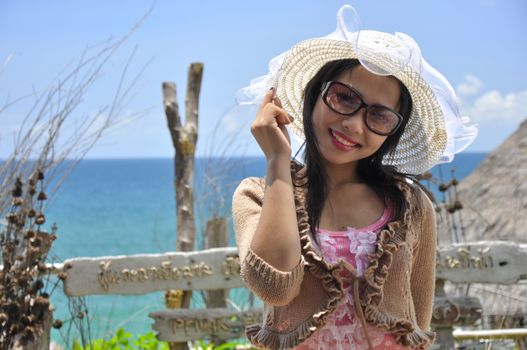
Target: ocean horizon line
(196, 157)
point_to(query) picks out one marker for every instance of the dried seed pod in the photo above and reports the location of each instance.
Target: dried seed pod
(11, 308)
(37, 242)
(455, 182)
(40, 175)
(23, 283)
(17, 201)
(67, 266)
(40, 219)
(31, 213)
(38, 285)
(29, 334)
(40, 307)
(42, 267)
(57, 324)
(31, 234)
(443, 187)
(427, 175)
(42, 196)
(458, 205)
(11, 218)
(32, 191)
(15, 328)
(451, 209)
(17, 190)
(45, 295)
(21, 221)
(62, 276)
(25, 321)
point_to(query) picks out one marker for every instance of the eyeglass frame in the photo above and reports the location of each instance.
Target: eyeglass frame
(324, 91)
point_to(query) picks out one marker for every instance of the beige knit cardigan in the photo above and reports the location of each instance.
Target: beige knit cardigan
(396, 291)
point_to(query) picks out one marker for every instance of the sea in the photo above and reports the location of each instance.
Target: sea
(108, 207)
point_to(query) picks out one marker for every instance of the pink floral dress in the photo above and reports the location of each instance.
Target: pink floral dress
(343, 330)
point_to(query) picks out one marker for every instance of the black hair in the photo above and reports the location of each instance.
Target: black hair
(382, 178)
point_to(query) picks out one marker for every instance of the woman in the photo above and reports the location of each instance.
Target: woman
(341, 248)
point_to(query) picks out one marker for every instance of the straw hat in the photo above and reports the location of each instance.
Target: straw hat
(434, 132)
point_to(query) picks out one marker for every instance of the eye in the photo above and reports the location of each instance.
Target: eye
(345, 98)
(382, 117)
(379, 114)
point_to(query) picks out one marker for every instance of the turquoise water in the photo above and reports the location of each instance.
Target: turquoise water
(117, 207)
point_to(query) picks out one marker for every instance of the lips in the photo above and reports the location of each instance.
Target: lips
(342, 142)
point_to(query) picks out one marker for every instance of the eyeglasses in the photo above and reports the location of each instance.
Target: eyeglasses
(345, 100)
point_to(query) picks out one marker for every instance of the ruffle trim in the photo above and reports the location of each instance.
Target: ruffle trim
(318, 267)
(390, 240)
(270, 339)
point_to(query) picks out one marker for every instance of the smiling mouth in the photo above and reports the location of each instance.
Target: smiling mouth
(340, 140)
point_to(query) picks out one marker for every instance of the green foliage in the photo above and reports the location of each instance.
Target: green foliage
(225, 346)
(123, 340)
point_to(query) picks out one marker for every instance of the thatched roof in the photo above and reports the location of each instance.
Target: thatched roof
(494, 199)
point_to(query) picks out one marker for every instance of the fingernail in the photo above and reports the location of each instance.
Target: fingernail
(291, 118)
(272, 88)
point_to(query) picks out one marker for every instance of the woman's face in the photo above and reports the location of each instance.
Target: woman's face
(345, 139)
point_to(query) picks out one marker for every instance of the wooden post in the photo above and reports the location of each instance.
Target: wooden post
(445, 338)
(184, 138)
(217, 236)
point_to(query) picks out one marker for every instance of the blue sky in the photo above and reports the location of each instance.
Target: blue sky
(479, 45)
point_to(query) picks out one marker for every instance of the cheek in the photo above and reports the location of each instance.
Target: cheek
(317, 119)
(375, 142)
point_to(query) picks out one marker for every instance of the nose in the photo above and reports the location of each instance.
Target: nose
(354, 124)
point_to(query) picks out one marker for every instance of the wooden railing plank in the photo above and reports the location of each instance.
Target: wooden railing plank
(218, 268)
(497, 262)
(182, 325)
(209, 269)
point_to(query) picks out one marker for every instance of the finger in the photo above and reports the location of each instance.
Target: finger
(268, 98)
(277, 102)
(281, 116)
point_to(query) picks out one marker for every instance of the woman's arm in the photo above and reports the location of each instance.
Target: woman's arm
(275, 286)
(423, 271)
(270, 231)
(276, 238)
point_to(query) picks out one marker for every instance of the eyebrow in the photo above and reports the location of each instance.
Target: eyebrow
(396, 108)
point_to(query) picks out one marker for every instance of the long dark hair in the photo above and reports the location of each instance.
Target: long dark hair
(382, 178)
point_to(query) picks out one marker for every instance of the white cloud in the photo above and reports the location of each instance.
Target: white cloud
(492, 106)
(230, 124)
(470, 86)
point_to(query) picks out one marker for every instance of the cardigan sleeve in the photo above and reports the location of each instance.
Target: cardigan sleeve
(423, 271)
(273, 286)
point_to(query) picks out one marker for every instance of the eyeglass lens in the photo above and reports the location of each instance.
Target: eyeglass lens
(346, 101)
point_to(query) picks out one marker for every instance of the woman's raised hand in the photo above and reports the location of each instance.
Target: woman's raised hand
(269, 129)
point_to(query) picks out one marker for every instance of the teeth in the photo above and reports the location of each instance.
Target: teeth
(341, 140)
